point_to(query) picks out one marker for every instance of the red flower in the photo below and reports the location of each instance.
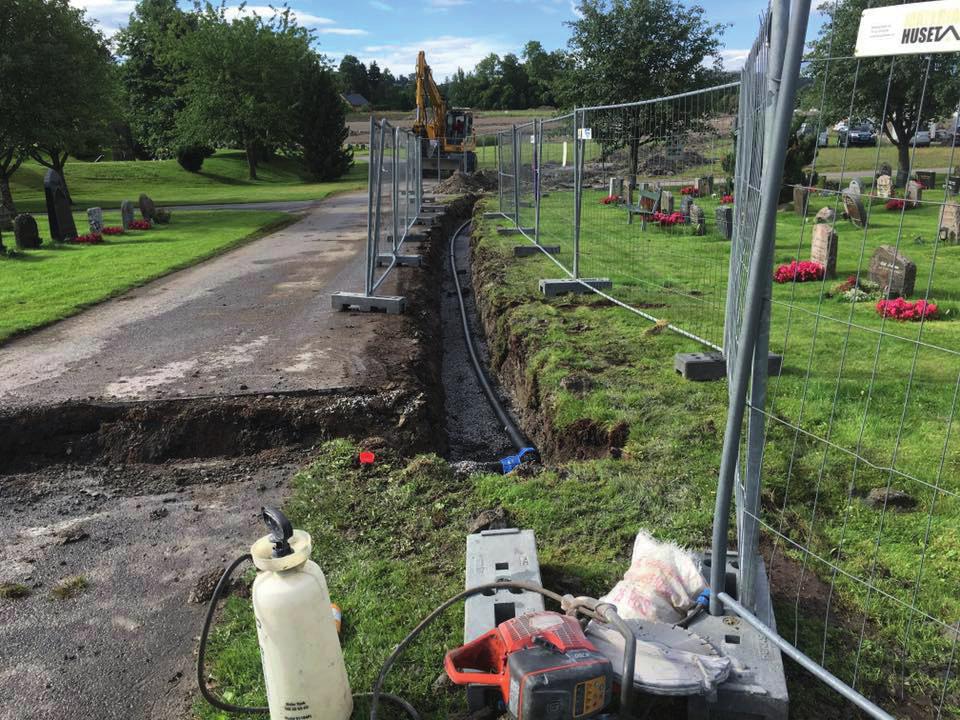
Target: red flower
(88, 239)
(799, 271)
(727, 199)
(895, 204)
(609, 199)
(667, 219)
(139, 225)
(113, 230)
(690, 190)
(900, 309)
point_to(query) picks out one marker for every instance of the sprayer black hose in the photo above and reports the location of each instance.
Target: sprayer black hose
(516, 436)
(222, 704)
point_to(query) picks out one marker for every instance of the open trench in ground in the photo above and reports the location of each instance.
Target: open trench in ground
(147, 501)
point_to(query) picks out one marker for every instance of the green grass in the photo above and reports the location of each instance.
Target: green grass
(223, 179)
(13, 591)
(835, 158)
(70, 587)
(38, 287)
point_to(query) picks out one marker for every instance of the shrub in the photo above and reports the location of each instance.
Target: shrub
(191, 157)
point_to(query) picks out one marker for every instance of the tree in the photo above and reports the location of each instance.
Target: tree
(242, 79)
(625, 50)
(152, 73)
(353, 76)
(909, 106)
(543, 69)
(49, 55)
(323, 129)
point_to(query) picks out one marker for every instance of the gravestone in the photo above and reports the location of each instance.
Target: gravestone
(855, 187)
(950, 223)
(927, 178)
(854, 209)
(823, 248)
(825, 215)
(728, 186)
(685, 202)
(884, 186)
(953, 184)
(724, 219)
(95, 219)
(126, 214)
(697, 219)
(704, 185)
(885, 169)
(894, 272)
(666, 201)
(147, 208)
(913, 194)
(616, 187)
(801, 198)
(6, 219)
(59, 214)
(25, 232)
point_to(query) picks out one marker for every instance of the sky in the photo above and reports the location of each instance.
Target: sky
(454, 33)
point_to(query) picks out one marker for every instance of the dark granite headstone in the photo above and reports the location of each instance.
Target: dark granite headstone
(895, 272)
(59, 213)
(697, 219)
(724, 218)
(823, 248)
(854, 209)
(950, 223)
(126, 214)
(685, 202)
(927, 178)
(25, 232)
(884, 169)
(704, 185)
(953, 184)
(801, 197)
(147, 208)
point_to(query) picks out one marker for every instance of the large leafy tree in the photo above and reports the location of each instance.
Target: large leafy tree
(862, 85)
(242, 80)
(55, 84)
(625, 50)
(152, 73)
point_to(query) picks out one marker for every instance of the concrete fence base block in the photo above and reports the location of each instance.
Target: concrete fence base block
(492, 215)
(390, 304)
(514, 231)
(552, 288)
(402, 260)
(705, 366)
(427, 220)
(526, 204)
(528, 250)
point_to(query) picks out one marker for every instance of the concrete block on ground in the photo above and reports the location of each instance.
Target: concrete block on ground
(390, 304)
(528, 250)
(704, 366)
(514, 231)
(402, 260)
(757, 687)
(552, 288)
(492, 215)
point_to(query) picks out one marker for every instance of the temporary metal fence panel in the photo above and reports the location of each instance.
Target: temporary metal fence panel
(556, 209)
(526, 152)
(507, 174)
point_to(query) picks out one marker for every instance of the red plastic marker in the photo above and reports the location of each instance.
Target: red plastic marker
(367, 457)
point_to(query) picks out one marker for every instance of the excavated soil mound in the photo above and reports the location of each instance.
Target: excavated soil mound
(461, 182)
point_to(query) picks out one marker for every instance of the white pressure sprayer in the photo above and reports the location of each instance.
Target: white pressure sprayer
(303, 665)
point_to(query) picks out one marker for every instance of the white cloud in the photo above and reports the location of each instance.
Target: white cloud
(343, 31)
(444, 54)
(303, 18)
(379, 5)
(733, 58)
(109, 14)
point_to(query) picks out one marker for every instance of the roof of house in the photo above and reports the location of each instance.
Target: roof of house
(356, 99)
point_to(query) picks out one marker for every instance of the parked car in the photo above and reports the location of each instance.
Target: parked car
(948, 137)
(858, 135)
(921, 139)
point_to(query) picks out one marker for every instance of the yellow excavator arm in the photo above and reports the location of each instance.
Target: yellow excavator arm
(426, 86)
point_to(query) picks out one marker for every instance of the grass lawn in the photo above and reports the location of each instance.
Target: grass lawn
(223, 179)
(38, 287)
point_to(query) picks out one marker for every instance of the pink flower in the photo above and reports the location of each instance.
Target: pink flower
(799, 271)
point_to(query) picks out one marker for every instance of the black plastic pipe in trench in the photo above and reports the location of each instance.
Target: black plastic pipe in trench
(519, 440)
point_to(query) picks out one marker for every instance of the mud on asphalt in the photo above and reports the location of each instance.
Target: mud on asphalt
(144, 502)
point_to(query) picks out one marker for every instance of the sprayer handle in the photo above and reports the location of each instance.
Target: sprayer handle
(280, 530)
(479, 662)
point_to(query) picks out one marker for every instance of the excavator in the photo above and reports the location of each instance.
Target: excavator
(448, 143)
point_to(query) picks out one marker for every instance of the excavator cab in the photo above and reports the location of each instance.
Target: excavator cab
(447, 143)
(459, 126)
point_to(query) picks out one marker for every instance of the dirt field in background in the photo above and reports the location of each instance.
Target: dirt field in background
(485, 122)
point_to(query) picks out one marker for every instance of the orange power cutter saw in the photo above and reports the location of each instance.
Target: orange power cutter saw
(544, 665)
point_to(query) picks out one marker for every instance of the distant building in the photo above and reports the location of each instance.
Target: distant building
(356, 101)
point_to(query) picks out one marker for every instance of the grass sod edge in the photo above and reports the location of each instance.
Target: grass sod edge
(277, 222)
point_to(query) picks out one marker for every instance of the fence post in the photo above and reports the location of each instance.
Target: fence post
(760, 266)
(748, 530)
(516, 178)
(500, 170)
(537, 149)
(395, 192)
(374, 245)
(577, 189)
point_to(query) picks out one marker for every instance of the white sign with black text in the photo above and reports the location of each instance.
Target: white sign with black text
(915, 29)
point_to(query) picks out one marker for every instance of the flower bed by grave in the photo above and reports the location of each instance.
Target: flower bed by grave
(798, 271)
(139, 225)
(900, 309)
(93, 238)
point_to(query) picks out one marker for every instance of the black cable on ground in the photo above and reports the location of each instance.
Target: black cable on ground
(519, 440)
